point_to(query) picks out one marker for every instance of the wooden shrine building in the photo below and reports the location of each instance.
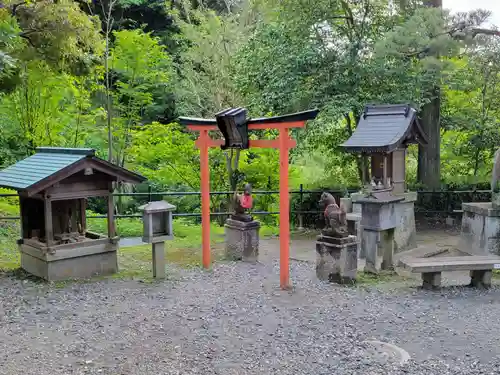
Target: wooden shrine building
(53, 187)
(383, 134)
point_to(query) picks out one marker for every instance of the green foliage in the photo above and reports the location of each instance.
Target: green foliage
(57, 32)
(142, 67)
(9, 42)
(273, 57)
(47, 109)
(205, 83)
(9, 232)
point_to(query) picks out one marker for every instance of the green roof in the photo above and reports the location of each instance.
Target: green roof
(46, 162)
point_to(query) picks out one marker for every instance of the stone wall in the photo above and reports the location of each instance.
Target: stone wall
(480, 234)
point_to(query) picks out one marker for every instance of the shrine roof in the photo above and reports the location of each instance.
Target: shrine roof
(157, 206)
(384, 128)
(52, 164)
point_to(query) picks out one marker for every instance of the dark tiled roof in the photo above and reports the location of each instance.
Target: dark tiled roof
(46, 162)
(383, 128)
(49, 161)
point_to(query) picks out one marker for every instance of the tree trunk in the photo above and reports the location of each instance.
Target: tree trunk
(429, 157)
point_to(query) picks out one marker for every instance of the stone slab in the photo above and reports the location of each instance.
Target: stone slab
(405, 234)
(96, 263)
(242, 225)
(444, 264)
(242, 240)
(481, 208)
(377, 216)
(336, 240)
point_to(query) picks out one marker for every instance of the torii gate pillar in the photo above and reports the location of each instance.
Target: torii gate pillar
(283, 143)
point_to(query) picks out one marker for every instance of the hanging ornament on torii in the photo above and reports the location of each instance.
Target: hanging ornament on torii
(234, 126)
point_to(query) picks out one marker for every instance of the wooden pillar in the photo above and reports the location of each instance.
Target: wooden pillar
(205, 197)
(386, 185)
(284, 211)
(49, 230)
(83, 215)
(111, 216)
(24, 219)
(364, 177)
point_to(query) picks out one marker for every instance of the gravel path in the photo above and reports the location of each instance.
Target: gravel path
(234, 320)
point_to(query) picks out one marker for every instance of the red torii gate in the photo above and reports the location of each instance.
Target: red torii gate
(284, 143)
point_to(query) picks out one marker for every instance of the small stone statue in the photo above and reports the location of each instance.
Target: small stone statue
(242, 203)
(335, 217)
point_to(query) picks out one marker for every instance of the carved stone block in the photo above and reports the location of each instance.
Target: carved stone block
(337, 259)
(242, 240)
(378, 249)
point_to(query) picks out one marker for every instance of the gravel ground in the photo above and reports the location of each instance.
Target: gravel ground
(234, 320)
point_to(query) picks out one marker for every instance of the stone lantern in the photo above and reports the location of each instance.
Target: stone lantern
(157, 221)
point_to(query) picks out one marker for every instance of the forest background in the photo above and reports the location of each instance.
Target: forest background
(115, 74)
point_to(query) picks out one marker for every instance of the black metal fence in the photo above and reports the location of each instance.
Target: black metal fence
(304, 206)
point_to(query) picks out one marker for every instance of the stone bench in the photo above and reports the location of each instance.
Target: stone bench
(480, 268)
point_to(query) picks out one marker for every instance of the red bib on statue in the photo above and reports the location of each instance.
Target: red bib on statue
(246, 201)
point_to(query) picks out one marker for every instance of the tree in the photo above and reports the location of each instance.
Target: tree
(323, 56)
(140, 65)
(429, 156)
(55, 31)
(47, 108)
(421, 48)
(470, 113)
(205, 83)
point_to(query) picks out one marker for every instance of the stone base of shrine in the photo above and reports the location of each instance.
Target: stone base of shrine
(337, 259)
(70, 263)
(379, 250)
(405, 234)
(242, 240)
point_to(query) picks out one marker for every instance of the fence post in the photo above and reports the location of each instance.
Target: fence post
(149, 193)
(300, 216)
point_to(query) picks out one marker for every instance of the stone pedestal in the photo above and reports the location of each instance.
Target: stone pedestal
(404, 212)
(70, 261)
(379, 249)
(336, 259)
(242, 240)
(480, 234)
(379, 219)
(158, 260)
